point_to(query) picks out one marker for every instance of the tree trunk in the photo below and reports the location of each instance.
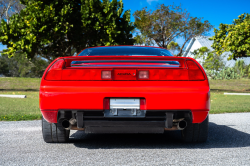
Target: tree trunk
(179, 54)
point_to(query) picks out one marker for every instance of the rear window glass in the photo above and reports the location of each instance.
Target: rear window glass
(125, 51)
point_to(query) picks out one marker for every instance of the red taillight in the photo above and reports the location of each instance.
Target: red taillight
(168, 74)
(55, 71)
(194, 72)
(106, 103)
(142, 104)
(143, 75)
(79, 74)
(106, 75)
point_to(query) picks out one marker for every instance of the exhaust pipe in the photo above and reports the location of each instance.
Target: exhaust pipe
(67, 124)
(181, 125)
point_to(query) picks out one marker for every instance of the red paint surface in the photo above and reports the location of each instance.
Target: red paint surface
(174, 91)
(199, 115)
(50, 115)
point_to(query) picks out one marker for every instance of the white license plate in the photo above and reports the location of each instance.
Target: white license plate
(121, 103)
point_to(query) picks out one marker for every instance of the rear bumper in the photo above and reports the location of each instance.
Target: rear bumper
(95, 121)
(83, 116)
(159, 96)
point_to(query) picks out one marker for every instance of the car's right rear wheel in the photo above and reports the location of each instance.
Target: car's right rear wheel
(195, 132)
(54, 132)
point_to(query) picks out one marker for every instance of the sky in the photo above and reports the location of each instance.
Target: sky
(215, 11)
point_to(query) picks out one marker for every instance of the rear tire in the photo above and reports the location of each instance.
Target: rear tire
(195, 132)
(54, 132)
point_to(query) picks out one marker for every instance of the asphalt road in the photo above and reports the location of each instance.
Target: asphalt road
(228, 143)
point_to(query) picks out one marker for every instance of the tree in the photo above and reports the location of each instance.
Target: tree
(233, 37)
(193, 27)
(20, 66)
(160, 25)
(209, 59)
(4, 69)
(38, 66)
(173, 47)
(55, 28)
(143, 40)
(166, 23)
(8, 8)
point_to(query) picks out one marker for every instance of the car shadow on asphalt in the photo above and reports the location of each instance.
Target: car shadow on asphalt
(220, 136)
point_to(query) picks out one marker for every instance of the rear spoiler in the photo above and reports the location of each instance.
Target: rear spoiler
(151, 59)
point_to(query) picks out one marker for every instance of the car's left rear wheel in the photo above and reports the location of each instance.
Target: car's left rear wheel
(54, 132)
(195, 132)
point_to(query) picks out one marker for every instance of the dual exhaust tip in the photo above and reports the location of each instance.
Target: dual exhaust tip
(181, 125)
(67, 124)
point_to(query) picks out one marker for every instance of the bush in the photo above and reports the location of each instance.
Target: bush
(249, 71)
(20, 66)
(209, 59)
(240, 70)
(226, 73)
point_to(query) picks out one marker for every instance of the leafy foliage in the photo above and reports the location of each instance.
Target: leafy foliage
(166, 23)
(173, 47)
(55, 28)
(143, 40)
(215, 66)
(20, 66)
(209, 59)
(4, 68)
(240, 70)
(226, 73)
(157, 25)
(233, 37)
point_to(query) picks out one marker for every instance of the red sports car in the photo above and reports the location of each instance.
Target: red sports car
(124, 89)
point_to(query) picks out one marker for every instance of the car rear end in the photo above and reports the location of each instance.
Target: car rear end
(126, 94)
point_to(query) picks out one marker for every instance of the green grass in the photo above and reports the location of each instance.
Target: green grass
(221, 103)
(12, 109)
(239, 85)
(19, 84)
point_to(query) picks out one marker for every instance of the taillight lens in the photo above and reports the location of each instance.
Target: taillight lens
(106, 75)
(142, 104)
(55, 71)
(194, 72)
(106, 103)
(168, 74)
(143, 75)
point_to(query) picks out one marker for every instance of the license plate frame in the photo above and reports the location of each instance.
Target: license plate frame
(121, 113)
(125, 108)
